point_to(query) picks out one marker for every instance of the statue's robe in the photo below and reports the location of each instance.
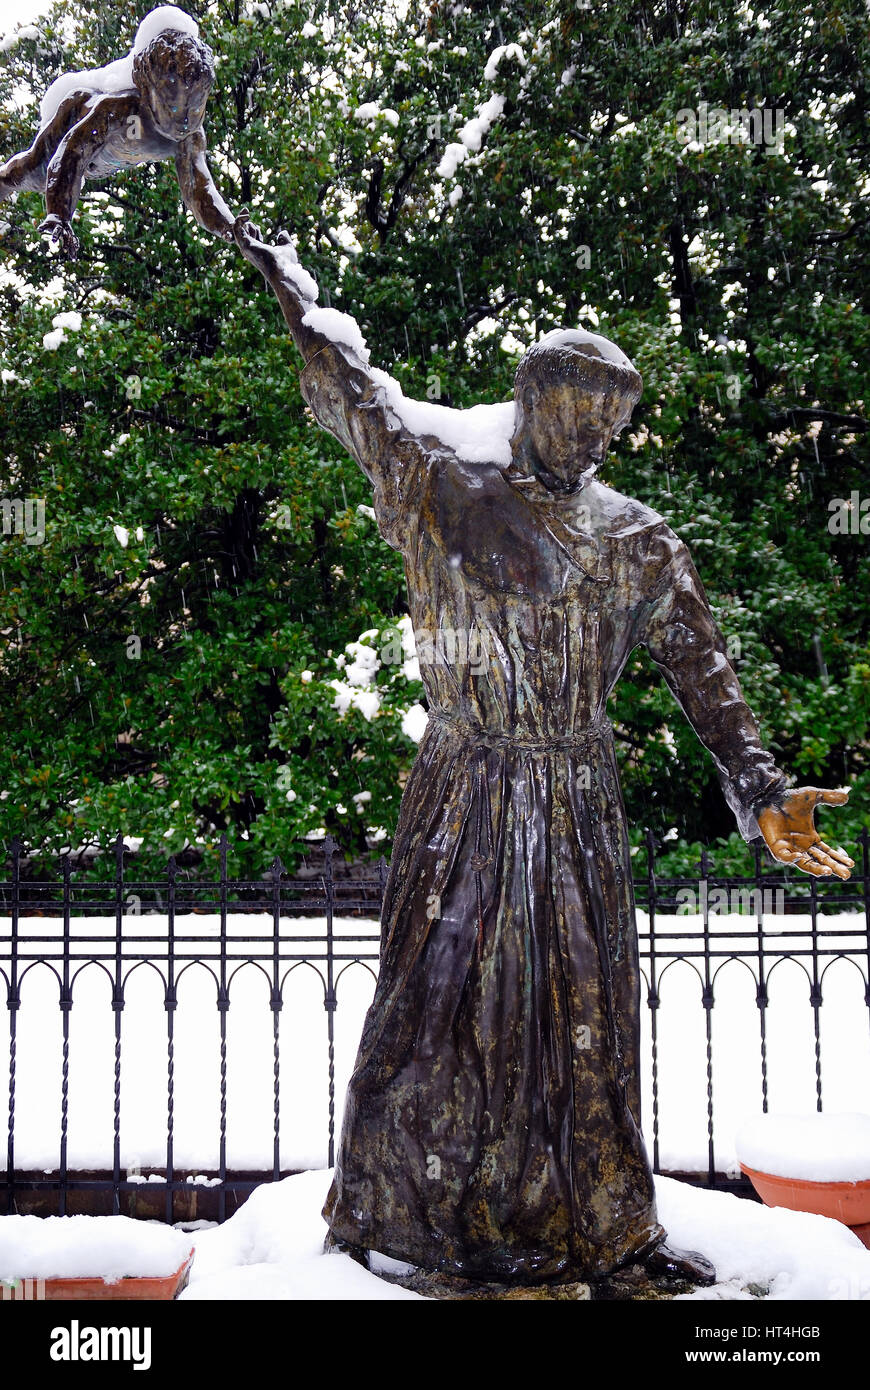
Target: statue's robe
(492, 1123)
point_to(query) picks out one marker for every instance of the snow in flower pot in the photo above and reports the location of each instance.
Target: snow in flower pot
(816, 1163)
(91, 1257)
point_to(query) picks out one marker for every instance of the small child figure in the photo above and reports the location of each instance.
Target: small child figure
(146, 106)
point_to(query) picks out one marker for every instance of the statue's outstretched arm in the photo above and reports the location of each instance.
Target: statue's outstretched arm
(276, 265)
(198, 188)
(682, 638)
(26, 171)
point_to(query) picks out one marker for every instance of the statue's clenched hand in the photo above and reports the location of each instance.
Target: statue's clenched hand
(791, 836)
(252, 246)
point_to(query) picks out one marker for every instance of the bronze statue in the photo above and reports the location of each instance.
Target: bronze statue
(147, 106)
(492, 1125)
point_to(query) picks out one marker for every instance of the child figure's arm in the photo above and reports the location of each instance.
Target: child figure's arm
(198, 188)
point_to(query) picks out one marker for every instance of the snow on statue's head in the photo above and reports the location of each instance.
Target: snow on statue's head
(573, 392)
(575, 356)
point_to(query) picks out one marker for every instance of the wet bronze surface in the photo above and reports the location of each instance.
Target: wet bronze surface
(94, 135)
(492, 1126)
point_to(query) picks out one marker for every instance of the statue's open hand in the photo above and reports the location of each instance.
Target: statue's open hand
(791, 836)
(59, 231)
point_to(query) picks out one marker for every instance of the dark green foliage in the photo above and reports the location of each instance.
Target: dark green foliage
(736, 278)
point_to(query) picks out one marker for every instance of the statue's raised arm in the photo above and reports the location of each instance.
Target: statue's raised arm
(354, 401)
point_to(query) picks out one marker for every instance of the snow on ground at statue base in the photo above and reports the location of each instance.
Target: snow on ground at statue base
(70, 1247)
(791, 1254)
(273, 1248)
(815, 1148)
(304, 1045)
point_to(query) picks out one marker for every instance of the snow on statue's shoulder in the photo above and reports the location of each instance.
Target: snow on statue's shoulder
(814, 1148)
(338, 328)
(116, 76)
(478, 434)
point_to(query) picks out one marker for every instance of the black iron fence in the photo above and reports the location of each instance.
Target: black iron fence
(36, 927)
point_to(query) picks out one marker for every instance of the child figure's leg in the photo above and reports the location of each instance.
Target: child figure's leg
(23, 172)
(26, 171)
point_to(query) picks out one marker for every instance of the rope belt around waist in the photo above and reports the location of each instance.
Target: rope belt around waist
(479, 737)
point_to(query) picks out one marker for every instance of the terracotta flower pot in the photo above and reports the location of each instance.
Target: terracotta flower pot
(848, 1202)
(159, 1289)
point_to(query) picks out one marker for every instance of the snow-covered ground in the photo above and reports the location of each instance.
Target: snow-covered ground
(271, 1248)
(845, 1047)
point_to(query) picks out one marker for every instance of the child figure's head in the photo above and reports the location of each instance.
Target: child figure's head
(174, 75)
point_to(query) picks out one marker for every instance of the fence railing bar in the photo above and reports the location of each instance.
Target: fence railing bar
(276, 1001)
(653, 995)
(707, 1000)
(816, 992)
(118, 1006)
(330, 1002)
(761, 996)
(66, 1006)
(223, 1006)
(12, 1001)
(170, 1003)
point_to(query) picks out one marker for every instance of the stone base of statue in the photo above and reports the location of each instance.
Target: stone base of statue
(629, 1285)
(635, 1282)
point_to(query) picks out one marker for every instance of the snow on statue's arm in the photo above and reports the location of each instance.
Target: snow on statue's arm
(682, 638)
(355, 402)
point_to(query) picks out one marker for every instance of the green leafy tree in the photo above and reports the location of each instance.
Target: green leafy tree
(460, 177)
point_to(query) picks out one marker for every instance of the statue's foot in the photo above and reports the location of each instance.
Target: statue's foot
(665, 1262)
(334, 1245)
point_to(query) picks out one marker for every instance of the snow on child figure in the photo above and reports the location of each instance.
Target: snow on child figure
(146, 106)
